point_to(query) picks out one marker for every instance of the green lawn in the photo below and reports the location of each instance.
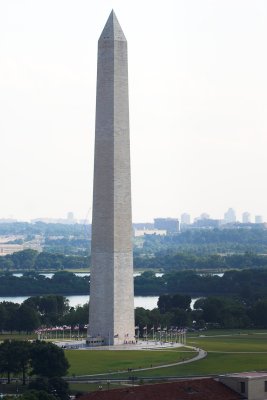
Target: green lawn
(17, 336)
(228, 351)
(91, 387)
(214, 364)
(12, 388)
(87, 362)
(244, 342)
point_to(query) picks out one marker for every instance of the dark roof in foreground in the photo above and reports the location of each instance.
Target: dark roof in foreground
(193, 389)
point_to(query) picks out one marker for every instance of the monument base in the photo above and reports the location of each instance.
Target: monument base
(101, 341)
(95, 341)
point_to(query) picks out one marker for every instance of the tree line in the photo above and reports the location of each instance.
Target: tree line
(30, 284)
(44, 229)
(205, 241)
(251, 282)
(247, 283)
(75, 239)
(238, 311)
(172, 311)
(183, 261)
(39, 311)
(43, 361)
(212, 312)
(32, 260)
(246, 287)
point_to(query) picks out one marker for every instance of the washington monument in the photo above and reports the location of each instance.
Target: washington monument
(111, 315)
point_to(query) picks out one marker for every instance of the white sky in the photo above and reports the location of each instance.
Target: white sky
(198, 105)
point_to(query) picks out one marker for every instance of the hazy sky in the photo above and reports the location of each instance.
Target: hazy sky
(198, 105)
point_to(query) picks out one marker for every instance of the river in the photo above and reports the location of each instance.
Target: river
(147, 302)
(82, 274)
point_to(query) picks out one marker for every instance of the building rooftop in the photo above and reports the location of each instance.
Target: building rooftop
(193, 389)
(249, 375)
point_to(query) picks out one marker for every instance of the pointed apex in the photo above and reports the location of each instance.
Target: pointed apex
(112, 30)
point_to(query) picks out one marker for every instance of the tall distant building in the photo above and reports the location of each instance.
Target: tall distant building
(171, 225)
(204, 216)
(229, 216)
(207, 223)
(258, 219)
(111, 315)
(185, 219)
(246, 217)
(70, 216)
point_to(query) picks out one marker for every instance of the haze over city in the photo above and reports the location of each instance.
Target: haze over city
(197, 75)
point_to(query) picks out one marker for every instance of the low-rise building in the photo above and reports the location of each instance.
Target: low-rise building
(251, 385)
(171, 225)
(143, 232)
(188, 389)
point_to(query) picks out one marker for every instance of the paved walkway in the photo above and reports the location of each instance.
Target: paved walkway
(140, 345)
(201, 354)
(238, 352)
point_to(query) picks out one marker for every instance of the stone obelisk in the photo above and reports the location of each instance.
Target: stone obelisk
(111, 315)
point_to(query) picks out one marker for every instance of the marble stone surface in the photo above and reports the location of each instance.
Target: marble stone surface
(111, 314)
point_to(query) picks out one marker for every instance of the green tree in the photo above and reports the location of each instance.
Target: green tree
(48, 360)
(212, 308)
(24, 259)
(77, 315)
(15, 358)
(2, 316)
(20, 351)
(258, 314)
(11, 315)
(50, 308)
(170, 302)
(8, 361)
(37, 395)
(141, 318)
(181, 318)
(6, 263)
(27, 319)
(55, 386)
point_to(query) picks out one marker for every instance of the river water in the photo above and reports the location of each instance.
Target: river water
(82, 274)
(147, 302)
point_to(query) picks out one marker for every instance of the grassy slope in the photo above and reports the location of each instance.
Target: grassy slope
(232, 353)
(220, 360)
(236, 343)
(86, 362)
(219, 344)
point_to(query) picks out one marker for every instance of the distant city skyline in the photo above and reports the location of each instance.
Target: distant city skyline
(198, 120)
(229, 216)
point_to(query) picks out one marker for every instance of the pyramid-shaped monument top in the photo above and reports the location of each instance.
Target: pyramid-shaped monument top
(112, 30)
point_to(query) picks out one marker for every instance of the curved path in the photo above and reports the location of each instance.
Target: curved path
(201, 354)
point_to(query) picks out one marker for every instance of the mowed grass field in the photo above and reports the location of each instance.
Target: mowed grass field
(247, 342)
(88, 362)
(17, 336)
(228, 351)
